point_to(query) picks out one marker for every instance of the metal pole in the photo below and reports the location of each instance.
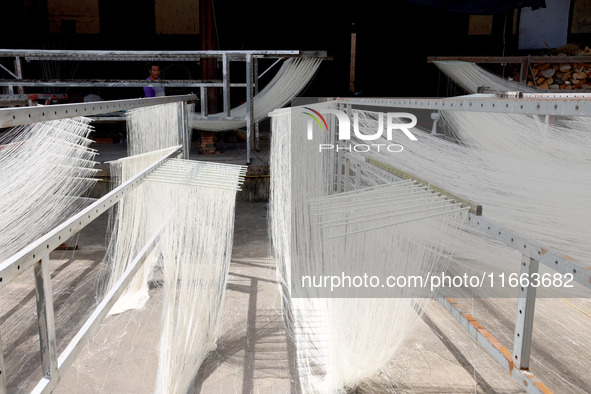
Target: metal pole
(187, 134)
(183, 133)
(256, 91)
(347, 176)
(226, 87)
(27, 115)
(358, 170)
(523, 72)
(45, 317)
(524, 323)
(339, 158)
(249, 106)
(203, 101)
(19, 73)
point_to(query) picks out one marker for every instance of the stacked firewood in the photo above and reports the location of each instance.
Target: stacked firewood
(564, 76)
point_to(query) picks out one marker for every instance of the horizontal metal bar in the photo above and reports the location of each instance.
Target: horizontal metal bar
(512, 59)
(188, 174)
(493, 347)
(559, 262)
(33, 96)
(201, 165)
(477, 103)
(215, 185)
(212, 118)
(30, 254)
(107, 119)
(25, 115)
(556, 95)
(13, 97)
(114, 83)
(107, 55)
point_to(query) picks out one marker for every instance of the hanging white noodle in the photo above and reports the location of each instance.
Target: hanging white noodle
(318, 233)
(44, 168)
(470, 77)
(195, 247)
(508, 161)
(289, 81)
(191, 204)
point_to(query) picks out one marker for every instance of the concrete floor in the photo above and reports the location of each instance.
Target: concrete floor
(254, 354)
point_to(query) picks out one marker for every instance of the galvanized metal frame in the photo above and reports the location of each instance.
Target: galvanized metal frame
(15, 265)
(546, 105)
(114, 83)
(24, 115)
(36, 254)
(166, 169)
(66, 359)
(124, 55)
(517, 362)
(251, 85)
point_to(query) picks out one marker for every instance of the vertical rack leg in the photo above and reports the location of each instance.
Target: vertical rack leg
(203, 101)
(186, 137)
(249, 106)
(347, 176)
(255, 65)
(19, 73)
(526, 303)
(45, 318)
(524, 71)
(339, 158)
(226, 81)
(180, 131)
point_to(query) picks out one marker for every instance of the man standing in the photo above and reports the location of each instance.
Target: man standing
(156, 91)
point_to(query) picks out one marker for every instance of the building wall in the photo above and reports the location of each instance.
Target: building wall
(83, 16)
(177, 16)
(79, 17)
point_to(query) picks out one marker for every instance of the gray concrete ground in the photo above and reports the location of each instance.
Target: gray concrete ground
(254, 353)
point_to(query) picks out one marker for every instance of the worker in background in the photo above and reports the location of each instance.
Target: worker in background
(156, 91)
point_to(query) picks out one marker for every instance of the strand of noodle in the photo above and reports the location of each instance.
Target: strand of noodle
(42, 165)
(342, 342)
(289, 81)
(470, 77)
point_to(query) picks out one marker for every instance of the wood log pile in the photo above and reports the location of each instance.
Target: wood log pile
(565, 76)
(562, 76)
